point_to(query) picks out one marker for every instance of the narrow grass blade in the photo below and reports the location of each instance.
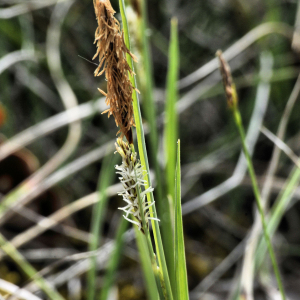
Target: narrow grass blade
(105, 179)
(170, 137)
(11, 251)
(182, 292)
(145, 164)
(171, 123)
(114, 261)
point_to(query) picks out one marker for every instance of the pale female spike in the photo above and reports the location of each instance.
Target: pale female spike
(131, 177)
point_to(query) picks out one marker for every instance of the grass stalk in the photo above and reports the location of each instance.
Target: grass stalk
(144, 161)
(11, 251)
(232, 101)
(163, 206)
(238, 122)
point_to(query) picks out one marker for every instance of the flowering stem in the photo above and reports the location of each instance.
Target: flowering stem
(232, 101)
(165, 281)
(238, 121)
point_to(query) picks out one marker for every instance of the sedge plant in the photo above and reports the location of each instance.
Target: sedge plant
(116, 62)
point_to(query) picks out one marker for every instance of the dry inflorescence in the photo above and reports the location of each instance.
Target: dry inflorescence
(112, 51)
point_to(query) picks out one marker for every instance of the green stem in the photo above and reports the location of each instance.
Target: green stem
(163, 206)
(238, 121)
(11, 251)
(157, 273)
(145, 164)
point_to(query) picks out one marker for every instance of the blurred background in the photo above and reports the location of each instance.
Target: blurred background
(46, 49)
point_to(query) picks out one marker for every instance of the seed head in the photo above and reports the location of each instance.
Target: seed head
(112, 51)
(228, 84)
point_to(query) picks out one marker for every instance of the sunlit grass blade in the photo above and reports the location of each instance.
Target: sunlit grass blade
(27, 268)
(114, 260)
(144, 162)
(182, 292)
(105, 179)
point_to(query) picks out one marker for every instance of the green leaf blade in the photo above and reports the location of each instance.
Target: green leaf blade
(171, 120)
(182, 291)
(170, 137)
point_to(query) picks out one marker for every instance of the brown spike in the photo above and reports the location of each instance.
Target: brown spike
(112, 51)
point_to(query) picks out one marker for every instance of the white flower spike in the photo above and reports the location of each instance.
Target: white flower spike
(132, 180)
